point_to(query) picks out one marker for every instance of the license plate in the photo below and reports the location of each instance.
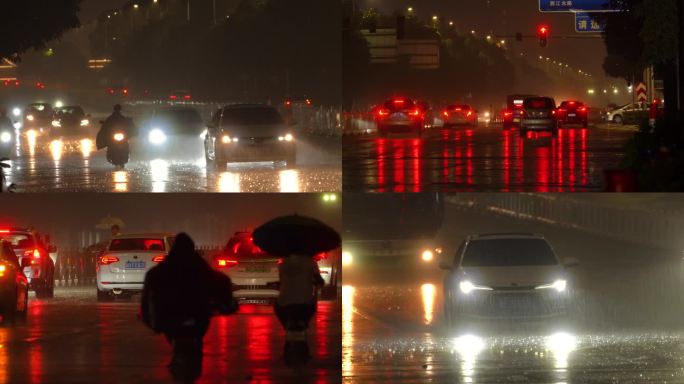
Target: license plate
(257, 269)
(516, 120)
(255, 301)
(135, 265)
(572, 114)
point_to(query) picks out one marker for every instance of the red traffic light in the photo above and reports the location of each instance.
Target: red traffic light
(543, 30)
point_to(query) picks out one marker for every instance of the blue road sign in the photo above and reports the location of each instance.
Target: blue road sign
(577, 6)
(584, 23)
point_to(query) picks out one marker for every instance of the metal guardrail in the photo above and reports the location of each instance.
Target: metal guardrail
(629, 223)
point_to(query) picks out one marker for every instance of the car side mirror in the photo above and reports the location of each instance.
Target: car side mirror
(570, 262)
(25, 262)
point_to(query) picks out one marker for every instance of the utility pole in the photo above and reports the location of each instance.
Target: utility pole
(188, 11)
(680, 61)
(214, 11)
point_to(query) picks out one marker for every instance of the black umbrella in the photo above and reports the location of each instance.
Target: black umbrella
(290, 235)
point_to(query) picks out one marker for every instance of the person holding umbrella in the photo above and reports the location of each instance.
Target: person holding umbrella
(297, 239)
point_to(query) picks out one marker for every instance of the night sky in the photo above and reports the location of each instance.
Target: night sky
(506, 17)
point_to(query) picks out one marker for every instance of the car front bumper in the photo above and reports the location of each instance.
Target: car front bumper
(512, 305)
(268, 151)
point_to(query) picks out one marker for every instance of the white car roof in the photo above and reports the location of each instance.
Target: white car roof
(488, 236)
(143, 235)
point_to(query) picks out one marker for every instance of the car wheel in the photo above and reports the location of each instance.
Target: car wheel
(617, 119)
(103, 296)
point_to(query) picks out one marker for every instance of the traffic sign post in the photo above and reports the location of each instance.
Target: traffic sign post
(585, 23)
(577, 6)
(641, 93)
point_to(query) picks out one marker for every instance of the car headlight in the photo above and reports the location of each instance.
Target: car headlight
(466, 287)
(157, 136)
(16, 112)
(559, 285)
(119, 136)
(288, 137)
(18, 125)
(56, 123)
(29, 117)
(85, 122)
(5, 137)
(347, 258)
(427, 255)
(227, 139)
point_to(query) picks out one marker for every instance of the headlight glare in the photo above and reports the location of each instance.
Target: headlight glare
(559, 285)
(5, 137)
(157, 136)
(85, 122)
(56, 123)
(466, 287)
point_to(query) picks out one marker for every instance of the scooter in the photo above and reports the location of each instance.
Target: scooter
(118, 150)
(296, 352)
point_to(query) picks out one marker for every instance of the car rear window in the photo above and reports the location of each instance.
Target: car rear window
(19, 240)
(539, 103)
(457, 107)
(508, 253)
(251, 116)
(137, 244)
(71, 111)
(399, 104)
(569, 104)
(244, 248)
(39, 109)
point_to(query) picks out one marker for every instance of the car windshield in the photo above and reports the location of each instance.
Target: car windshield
(76, 112)
(137, 244)
(18, 240)
(539, 103)
(183, 117)
(39, 109)
(251, 116)
(508, 253)
(399, 104)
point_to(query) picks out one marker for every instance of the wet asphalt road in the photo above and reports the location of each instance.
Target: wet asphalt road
(485, 158)
(74, 339)
(72, 165)
(626, 323)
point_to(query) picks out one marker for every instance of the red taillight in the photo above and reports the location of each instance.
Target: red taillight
(173, 97)
(158, 259)
(34, 253)
(445, 113)
(280, 261)
(4, 231)
(457, 109)
(399, 101)
(553, 112)
(415, 112)
(383, 112)
(508, 114)
(106, 260)
(470, 113)
(583, 109)
(321, 256)
(224, 262)
(187, 97)
(125, 91)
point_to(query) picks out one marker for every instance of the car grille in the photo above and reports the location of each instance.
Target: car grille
(513, 304)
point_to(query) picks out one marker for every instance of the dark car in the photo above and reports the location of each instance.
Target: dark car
(572, 112)
(70, 120)
(249, 132)
(14, 286)
(173, 126)
(459, 114)
(34, 255)
(38, 115)
(538, 114)
(512, 115)
(399, 115)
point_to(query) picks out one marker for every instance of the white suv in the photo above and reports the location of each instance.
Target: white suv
(122, 267)
(505, 277)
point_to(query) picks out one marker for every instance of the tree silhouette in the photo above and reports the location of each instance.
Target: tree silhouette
(30, 24)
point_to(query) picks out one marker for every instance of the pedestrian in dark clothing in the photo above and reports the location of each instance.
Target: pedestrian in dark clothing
(179, 297)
